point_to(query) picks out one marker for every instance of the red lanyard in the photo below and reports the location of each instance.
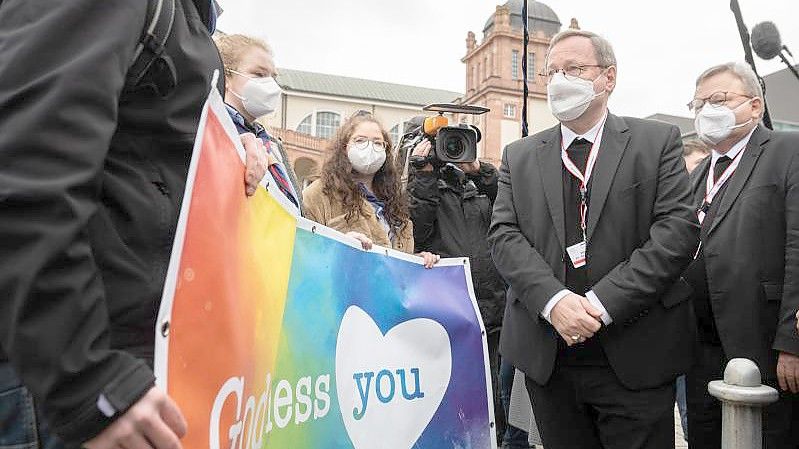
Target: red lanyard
(712, 188)
(584, 178)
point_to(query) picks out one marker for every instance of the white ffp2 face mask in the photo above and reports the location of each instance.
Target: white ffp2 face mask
(569, 99)
(259, 96)
(366, 158)
(715, 123)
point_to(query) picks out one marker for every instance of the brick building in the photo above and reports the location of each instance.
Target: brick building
(494, 77)
(315, 104)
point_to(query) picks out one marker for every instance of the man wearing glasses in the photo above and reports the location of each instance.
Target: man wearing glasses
(746, 273)
(591, 228)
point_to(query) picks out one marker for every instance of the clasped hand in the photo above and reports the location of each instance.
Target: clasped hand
(575, 319)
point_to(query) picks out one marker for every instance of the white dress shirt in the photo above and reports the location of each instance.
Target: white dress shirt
(732, 152)
(593, 135)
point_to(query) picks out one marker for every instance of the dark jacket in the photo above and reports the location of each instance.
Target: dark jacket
(90, 188)
(642, 232)
(751, 250)
(451, 218)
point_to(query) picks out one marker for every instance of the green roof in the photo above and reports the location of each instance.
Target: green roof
(343, 86)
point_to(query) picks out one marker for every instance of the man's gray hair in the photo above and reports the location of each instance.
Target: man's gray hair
(602, 48)
(742, 71)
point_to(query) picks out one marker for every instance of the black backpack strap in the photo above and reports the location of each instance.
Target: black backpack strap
(150, 54)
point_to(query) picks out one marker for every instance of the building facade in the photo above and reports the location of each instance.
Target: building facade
(314, 105)
(494, 77)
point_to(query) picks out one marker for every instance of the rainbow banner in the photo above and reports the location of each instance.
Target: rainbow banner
(277, 332)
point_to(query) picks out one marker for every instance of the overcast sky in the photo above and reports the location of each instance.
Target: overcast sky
(661, 46)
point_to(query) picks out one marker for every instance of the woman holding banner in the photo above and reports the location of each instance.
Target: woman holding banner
(359, 190)
(251, 92)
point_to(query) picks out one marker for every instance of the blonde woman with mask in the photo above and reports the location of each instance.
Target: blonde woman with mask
(251, 92)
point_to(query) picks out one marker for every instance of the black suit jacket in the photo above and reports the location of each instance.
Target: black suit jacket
(642, 232)
(752, 250)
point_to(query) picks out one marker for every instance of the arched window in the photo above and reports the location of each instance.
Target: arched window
(306, 125)
(326, 124)
(320, 124)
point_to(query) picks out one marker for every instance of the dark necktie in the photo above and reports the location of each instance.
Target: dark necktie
(589, 353)
(578, 152)
(721, 164)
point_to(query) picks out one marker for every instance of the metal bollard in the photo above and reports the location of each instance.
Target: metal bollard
(742, 396)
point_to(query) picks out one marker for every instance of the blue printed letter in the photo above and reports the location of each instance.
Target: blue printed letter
(418, 394)
(363, 391)
(384, 398)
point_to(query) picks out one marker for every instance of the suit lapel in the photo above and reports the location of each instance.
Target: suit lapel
(741, 175)
(615, 138)
(698, 179)
(551, 167)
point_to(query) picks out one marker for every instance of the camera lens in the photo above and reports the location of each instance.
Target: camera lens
(454, 147)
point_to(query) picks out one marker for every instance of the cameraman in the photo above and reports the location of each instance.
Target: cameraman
(451, 210)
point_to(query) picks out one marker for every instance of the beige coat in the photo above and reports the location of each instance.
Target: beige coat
(330, 212)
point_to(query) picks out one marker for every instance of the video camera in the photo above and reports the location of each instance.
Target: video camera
(456, 144)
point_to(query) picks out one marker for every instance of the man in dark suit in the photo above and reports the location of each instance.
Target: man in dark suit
(592, 226)
(746, 273)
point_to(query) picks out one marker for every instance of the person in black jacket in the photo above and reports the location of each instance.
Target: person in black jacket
(92, 174)
(744, 275)
(451, 212)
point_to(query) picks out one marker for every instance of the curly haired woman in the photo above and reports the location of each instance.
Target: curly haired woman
(359, 190)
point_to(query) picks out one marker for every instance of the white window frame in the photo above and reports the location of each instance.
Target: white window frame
(509, 110)
(314, 117)
(531, 77)
(311, 121)
(514, 64)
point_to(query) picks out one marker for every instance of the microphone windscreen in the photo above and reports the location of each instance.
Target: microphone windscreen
(766, 40)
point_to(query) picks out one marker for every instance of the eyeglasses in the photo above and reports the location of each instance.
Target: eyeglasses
(361, 143)
(571, 72)
(716, 99)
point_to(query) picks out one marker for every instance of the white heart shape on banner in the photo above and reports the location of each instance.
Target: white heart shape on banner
(390, 386)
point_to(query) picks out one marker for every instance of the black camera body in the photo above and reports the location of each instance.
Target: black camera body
(450, 144)
(456, 144)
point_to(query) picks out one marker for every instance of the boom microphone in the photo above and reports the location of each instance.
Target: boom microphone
(766, 40)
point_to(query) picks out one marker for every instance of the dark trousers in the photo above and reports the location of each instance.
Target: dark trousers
(586, 407)
(780, 420)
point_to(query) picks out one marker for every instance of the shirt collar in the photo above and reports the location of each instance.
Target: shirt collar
(255, 127)
(569, 136)
(733, 152)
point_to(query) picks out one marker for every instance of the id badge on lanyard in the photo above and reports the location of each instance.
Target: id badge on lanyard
(577, 252)
(712, 189)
